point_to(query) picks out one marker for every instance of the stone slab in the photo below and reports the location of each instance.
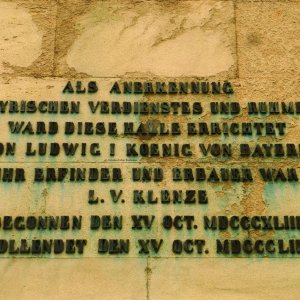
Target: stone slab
(28, 37)
(146, 38)
(75, 279)
(70, 197)
(267, 41)
(214, 279)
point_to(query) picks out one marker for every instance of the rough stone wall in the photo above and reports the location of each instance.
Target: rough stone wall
(253, 44)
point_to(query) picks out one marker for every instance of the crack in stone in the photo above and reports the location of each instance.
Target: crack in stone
(132, 24)
(54, 67)
(181, 29)
(176, 33)
(148, 272)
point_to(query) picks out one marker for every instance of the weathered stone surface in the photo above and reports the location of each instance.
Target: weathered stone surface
(267, 39)
(28, 37)
(113, 38)
(164, 41)
(56, 198)
(223, 279)
(75, 279)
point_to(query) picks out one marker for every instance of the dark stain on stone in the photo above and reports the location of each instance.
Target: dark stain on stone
(154, 124)
(254, 39)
